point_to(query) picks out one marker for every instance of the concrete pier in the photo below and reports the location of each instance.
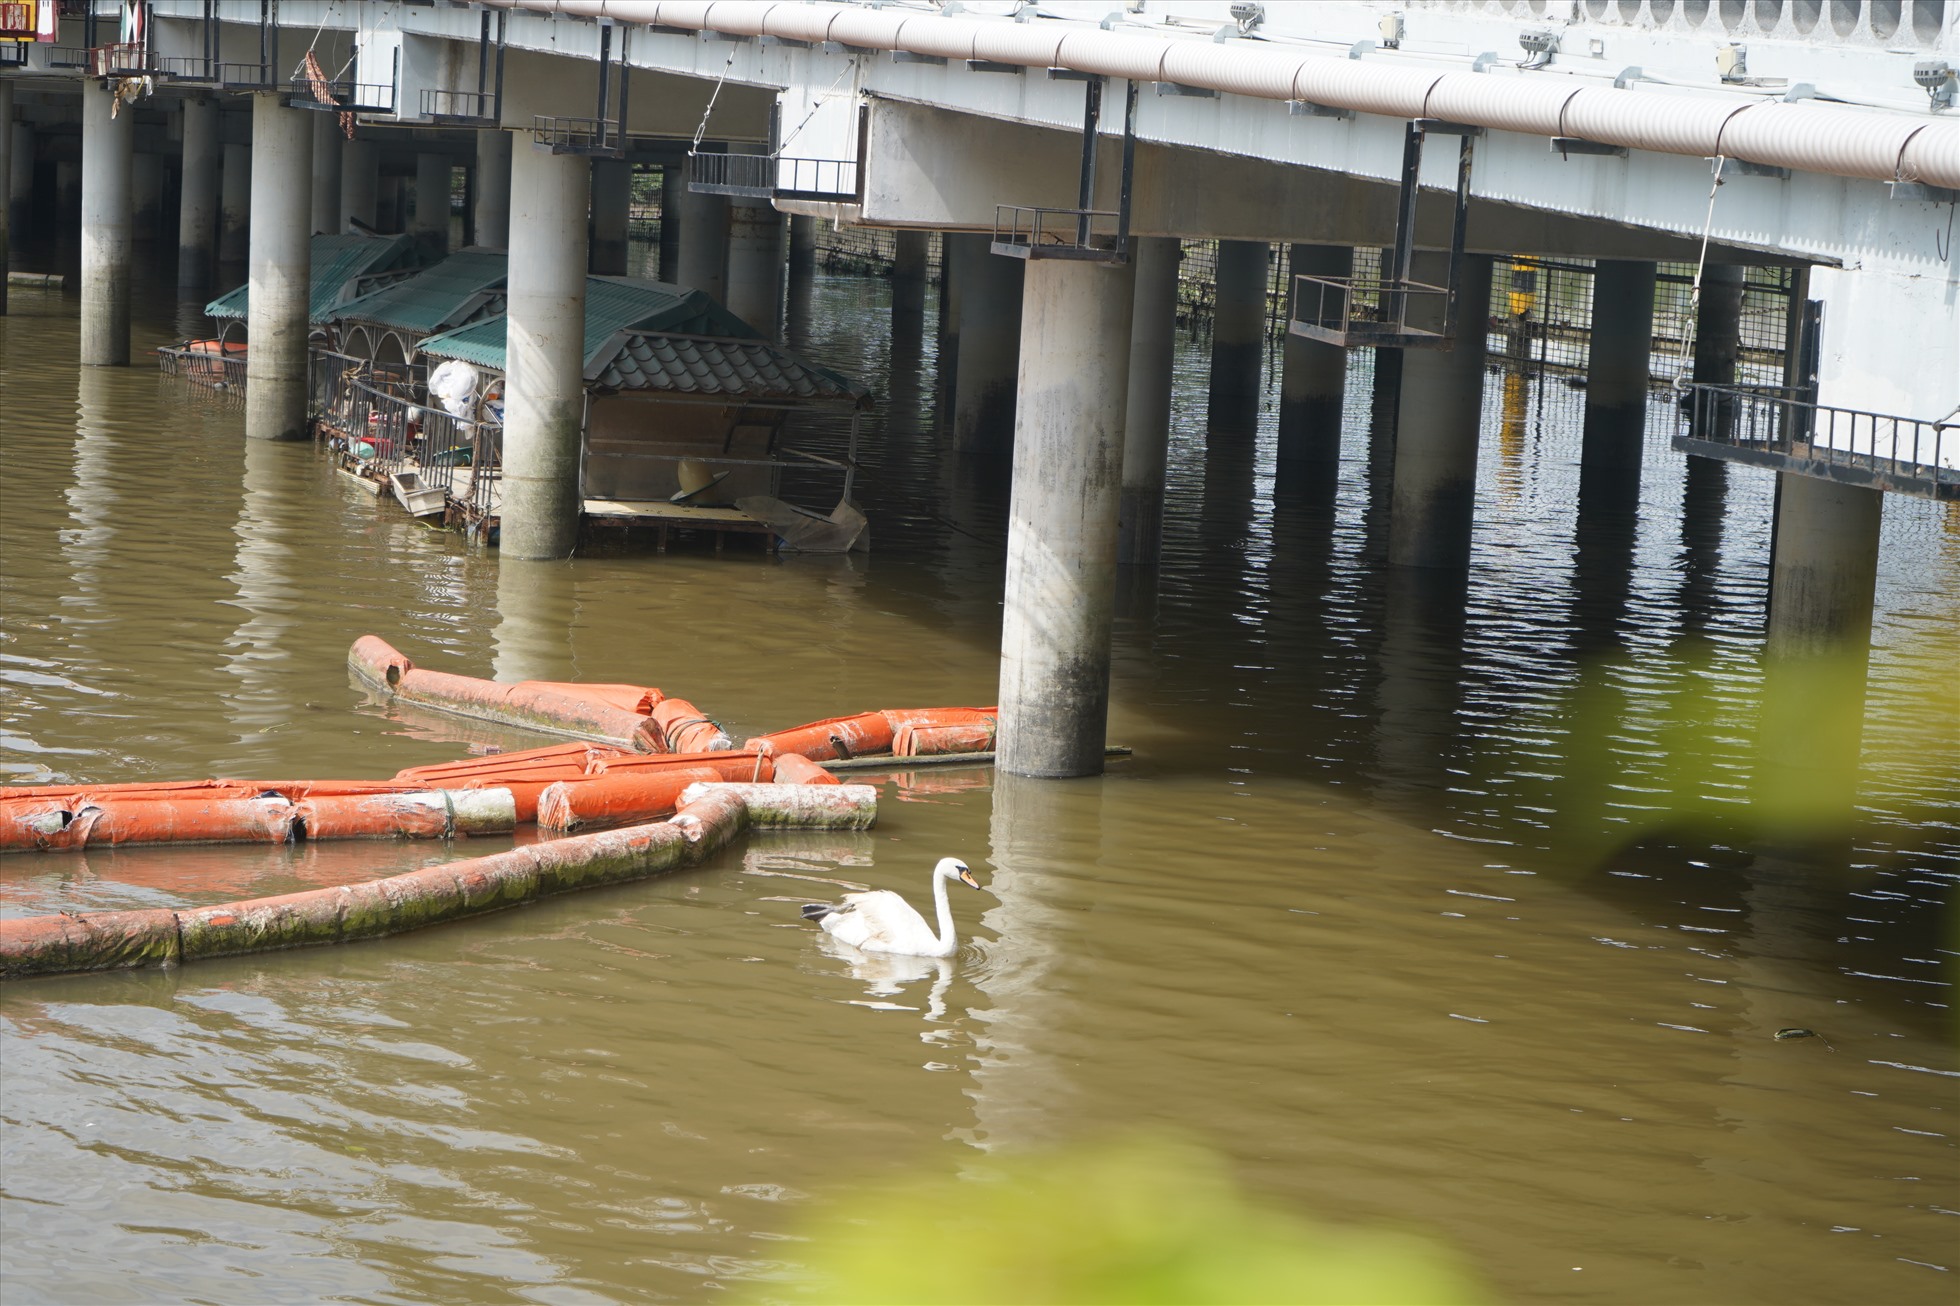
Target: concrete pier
(703, 260)
(1313, 382)
(1437, 421)
(1718, 343)
(145, 196)
(20, 179)
(958, 252)
(197, 199)
(1238, 340)
(360, 183)
(430, 226)
(911, 251)
(1147, 409)
(1617, 364)
(672, 187)
(6, 172)
(802, 245)
(545, 401)
(755, 265)
(1823, 567)
(281, 270)
(493, 188)
(612, 194)
(989, 344)
(328, 146)
(235, 205)
(107, 210)
(1061, 540)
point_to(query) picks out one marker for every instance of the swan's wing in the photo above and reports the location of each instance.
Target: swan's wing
(878, 922)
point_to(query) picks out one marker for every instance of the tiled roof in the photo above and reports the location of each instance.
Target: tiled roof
(611, 305)
(751, 370)
(337, 262)
(434, 298)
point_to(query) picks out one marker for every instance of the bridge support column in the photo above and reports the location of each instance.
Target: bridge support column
(20, 180)
(67, 191)
(612, 197)
(1718, 342)
(6, 172)
(431, 223)
(145, 195)
(911, 252)
(328, 147)
(1238, 340)
(360, 183)
(990, 345)
(957, 252)
(197, 201)
(1147, 411)
(1313, 382)
(545, 404)
(281, 271)
(802, 245)
(1823, 567)
(235, 205)
(107, 211)
(1061, 540)
(672, 187)
(755, 265)
(703, 262)
(493, 188)
(1437, 421)
(1617, 364)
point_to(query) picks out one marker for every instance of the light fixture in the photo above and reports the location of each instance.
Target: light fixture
(1936, 77)
(1540, 43)
(1732, 62)
(1248, 17)
(1391, 31)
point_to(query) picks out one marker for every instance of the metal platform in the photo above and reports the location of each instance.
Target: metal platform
(1085, 235)
(1773, 427)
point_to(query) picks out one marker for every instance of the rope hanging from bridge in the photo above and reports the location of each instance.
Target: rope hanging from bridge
(1694, 290)
(816, 103)
(701, 129)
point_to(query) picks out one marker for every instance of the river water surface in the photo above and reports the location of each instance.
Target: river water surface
(1342, 917)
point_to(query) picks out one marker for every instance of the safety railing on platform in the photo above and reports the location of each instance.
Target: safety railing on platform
(347, 96)
(385, 432)
(600, 137)
(122, 59)
(1366, 310)
(460, 106)
(1772, 426)
(206, 363)
(246, 77)
(1093, 235)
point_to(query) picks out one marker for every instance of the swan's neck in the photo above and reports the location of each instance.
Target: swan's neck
(945, 940)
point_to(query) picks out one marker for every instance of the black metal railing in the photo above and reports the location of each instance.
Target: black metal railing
(1094, 234)
(187, 67)
(1774, 426)
(348, 96)
(246, 77)
(596, 136)
(68, 56)
(13, 54)
(121, 59)
(378, 426)
(460, 106)
(763, 176)
(1366, 310)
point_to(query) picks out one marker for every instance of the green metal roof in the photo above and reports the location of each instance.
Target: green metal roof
(434, 298)
(337, 262)
(752, 370)
(612, 304)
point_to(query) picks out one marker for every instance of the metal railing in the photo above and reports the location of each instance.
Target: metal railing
(223, 372)
(1362, 309)
(246, 77)
(121, 59)
(13, 54)
(597, 136)
(187, 67)
(460, 106)
(1093, 234)
(382, 431)
(1773, 426)
(348, 96)
(68, 56)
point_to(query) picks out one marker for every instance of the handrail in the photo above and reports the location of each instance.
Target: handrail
(1780, 426)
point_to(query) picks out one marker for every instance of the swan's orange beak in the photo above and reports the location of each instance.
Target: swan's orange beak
(966, 878)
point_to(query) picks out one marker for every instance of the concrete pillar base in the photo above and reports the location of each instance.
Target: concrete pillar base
(328, 146)
(755, 265)
(430, 225)
(1147, 413)
(1617, 365)
(108, 212)
(197, 208)
(612, 198)
(493, 188)
(281, 270)
(1238, 341)
(1061, 542)
(702, 263)
(1313, 383)
(1438, 420)
(989, 344)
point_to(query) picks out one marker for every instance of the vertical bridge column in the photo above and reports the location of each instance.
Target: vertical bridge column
(755, 265)
(235, 205)
(545, 354)
(1238, 337)
(911, 252)
(328, 145)
(360, 183)
(612, 200)
(1147, 412)
(493, 188)
(1061, 540)
(431, 228)
(672, 186)
(107, 153)
(197, 204)
(19, 179)
(703, 260)
(1617, 363)
(280, 272)
(1313, 382)
(6, 173)
(1438, 419)
(989, 343)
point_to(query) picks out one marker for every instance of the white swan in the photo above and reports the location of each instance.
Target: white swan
(884, 922)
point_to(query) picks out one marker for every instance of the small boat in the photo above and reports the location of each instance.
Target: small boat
(421, 500)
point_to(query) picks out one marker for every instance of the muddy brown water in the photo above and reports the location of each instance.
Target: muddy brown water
(1321, 921)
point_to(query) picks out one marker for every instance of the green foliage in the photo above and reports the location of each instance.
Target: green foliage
(1139, 1222)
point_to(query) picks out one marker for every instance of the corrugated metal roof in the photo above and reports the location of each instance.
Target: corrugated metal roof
(611, 305)
(751, 370)
(337, 262)
(435, 297)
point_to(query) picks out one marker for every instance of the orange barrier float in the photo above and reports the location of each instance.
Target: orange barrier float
(620, 714)
(796, 769)
(619, 798)
(224, 812)
(927, 732)
(685, 729)
(830, 740)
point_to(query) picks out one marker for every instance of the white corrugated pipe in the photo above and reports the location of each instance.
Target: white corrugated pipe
(1811, 136)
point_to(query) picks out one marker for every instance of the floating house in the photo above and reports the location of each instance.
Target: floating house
(384, 326)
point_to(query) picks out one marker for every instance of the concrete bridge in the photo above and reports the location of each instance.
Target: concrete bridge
(1062, 150)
